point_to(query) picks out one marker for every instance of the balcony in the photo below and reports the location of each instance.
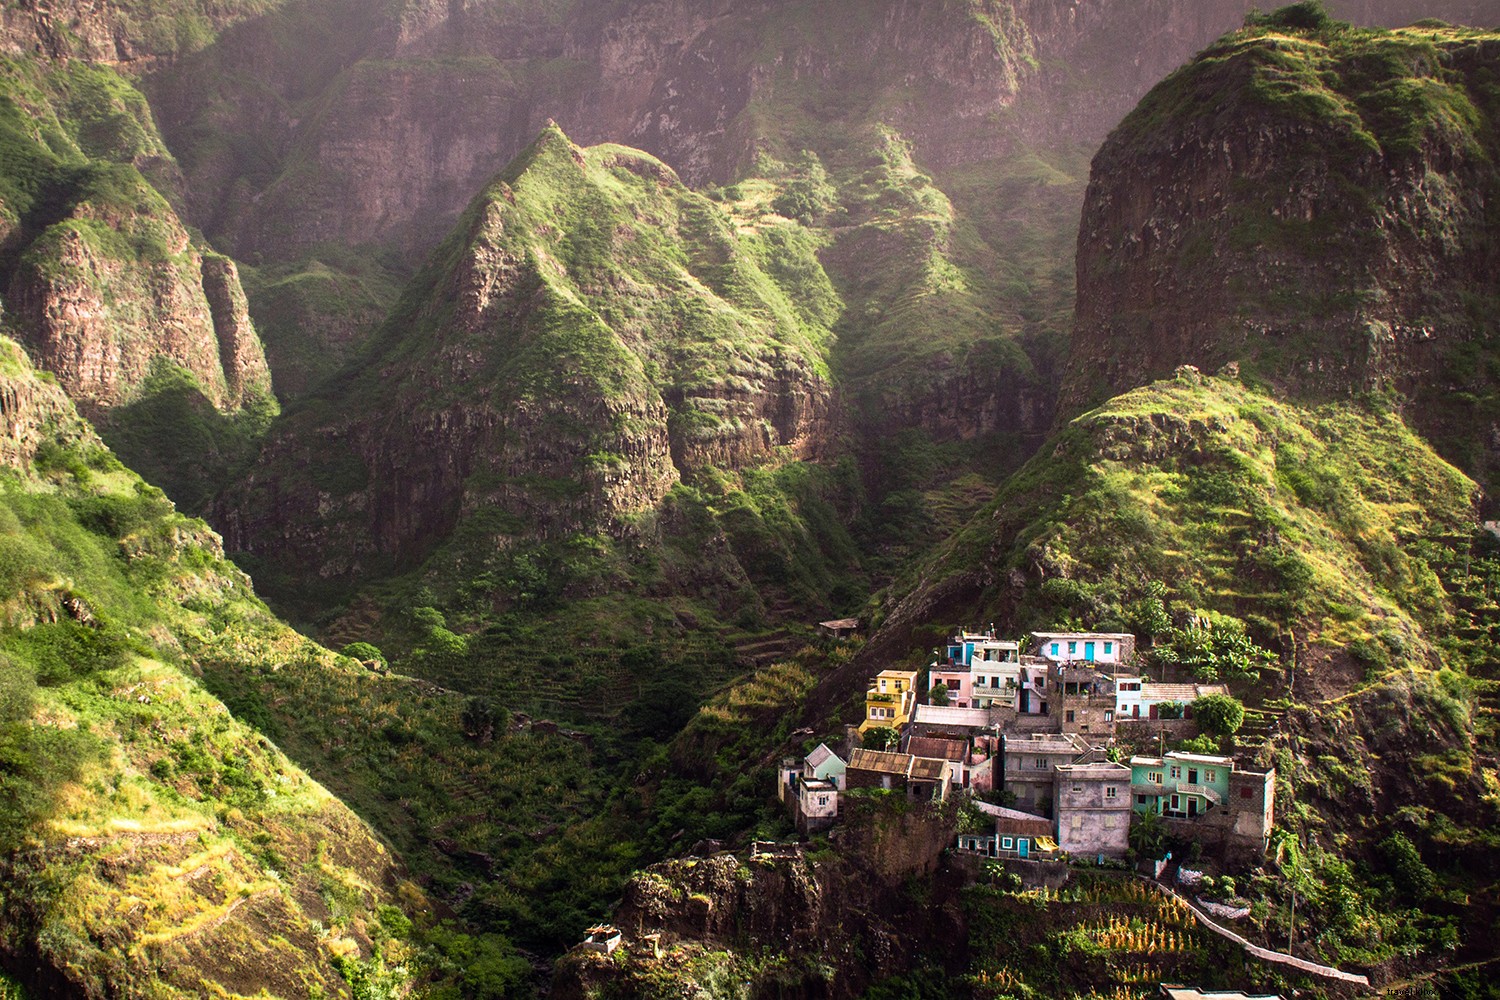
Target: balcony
(1170, 787)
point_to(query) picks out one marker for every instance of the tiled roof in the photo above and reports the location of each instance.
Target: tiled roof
(927, 769)
(1158, 691)
(936, 747)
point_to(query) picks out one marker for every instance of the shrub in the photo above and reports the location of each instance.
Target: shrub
(1220, 714)
(365, 652)
(1307, 15)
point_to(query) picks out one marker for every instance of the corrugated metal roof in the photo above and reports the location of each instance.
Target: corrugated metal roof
(820, 755)
(946, 715)
(881, 761)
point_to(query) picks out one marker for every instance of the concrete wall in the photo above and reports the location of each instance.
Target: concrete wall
(1143, 731)
(1090, 820)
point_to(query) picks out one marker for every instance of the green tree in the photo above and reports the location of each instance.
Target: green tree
(881, 738)
(1220, 714)
(939, 694)
(1212, 645)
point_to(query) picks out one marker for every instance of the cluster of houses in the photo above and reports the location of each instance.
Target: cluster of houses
(1040, 728)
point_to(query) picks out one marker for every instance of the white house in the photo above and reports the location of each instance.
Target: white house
(1138, 698)
(1089, 647)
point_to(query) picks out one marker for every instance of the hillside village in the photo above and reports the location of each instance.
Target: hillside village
(1036, 739)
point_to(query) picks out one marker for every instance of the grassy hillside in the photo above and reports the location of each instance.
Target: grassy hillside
(149, 840)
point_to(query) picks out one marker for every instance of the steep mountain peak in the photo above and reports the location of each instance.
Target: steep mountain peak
(591, 331)
(1314, 201)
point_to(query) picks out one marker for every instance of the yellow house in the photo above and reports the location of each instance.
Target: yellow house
(891, 699)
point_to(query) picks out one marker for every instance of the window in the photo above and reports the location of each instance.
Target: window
(1110, 791)
(1072, 648)
(1109, 715)
(1140, 800)
(1210, 775)
(1054, 649)
(1007, 843)
(822, 800)
(1154, 777)
(1077, 788)
(1070, 715)
(1040, 763)
(1244, 793)
(1109, 647)
(1176, 773)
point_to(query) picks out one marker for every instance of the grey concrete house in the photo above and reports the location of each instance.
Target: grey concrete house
(1091, 804)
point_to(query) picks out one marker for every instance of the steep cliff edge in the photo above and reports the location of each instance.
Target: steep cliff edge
(102, 281)
(1318, 203)
(788, 925)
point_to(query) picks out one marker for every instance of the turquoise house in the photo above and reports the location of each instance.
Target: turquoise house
(1179, 784)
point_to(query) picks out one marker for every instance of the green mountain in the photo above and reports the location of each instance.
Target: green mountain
(1317, 203)
(586, 363)
(588, 465)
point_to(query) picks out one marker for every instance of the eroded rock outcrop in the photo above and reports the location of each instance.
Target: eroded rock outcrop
(97, 315)
(781, 923)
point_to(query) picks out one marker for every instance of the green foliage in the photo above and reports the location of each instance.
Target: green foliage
(170, 417)
(1212, 646)
(1148, 835)
(808, 195)
(939, 694)
(1219, 714)
(1200, 744)
(483, 966)
(365, 652)
(880, 738)
(1412, 876)
(1307, 15)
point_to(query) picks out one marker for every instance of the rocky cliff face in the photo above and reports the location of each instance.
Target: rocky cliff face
(99, 318)
(1317, 204)
(591, 332)
(122, 32)
(423, 103)
(786, 925)
(101, 279)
